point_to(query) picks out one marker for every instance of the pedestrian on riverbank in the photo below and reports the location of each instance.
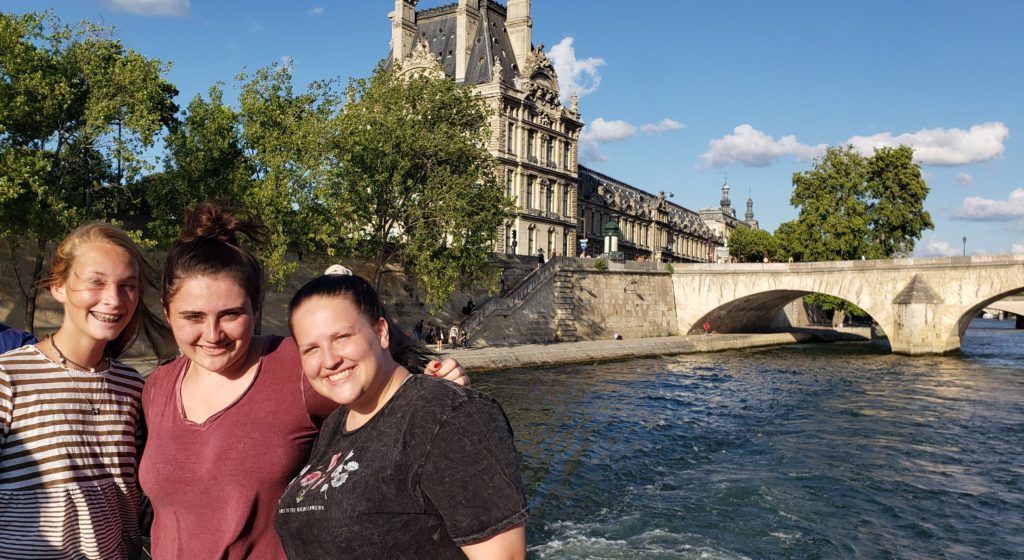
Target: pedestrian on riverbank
(707, 328)
(453, 336)
(386, 478)
(232, 420)
(69, 410)
(418, 330)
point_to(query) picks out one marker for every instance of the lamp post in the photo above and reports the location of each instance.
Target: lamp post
(965, 245)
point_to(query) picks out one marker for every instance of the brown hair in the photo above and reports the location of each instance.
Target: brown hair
(152, 325)
(404, 350)
(209, 245)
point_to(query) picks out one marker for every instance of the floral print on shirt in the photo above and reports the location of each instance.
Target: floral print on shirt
(337, 471)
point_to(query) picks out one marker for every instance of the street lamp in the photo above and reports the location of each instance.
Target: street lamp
(965, 245)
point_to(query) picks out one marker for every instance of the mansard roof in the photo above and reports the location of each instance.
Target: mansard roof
(635, 201)
(437, 26)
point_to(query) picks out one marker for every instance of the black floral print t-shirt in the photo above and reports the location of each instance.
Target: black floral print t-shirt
(435, 469)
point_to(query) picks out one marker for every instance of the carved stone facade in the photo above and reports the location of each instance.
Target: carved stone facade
(650, 227)
(535, 139)
(723, 220)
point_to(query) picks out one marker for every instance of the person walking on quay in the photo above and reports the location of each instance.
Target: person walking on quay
(453, 336)
(231, 420)
(540, 256)
(418, 330)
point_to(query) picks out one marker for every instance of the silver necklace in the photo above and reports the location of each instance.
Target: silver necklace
(63, 364)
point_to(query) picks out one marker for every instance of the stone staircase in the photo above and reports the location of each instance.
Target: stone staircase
(513, 297)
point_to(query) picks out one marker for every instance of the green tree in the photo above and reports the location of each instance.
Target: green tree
(833, 223)
(77, 112)
(896, 194)
(290, 138)
(853, 206)
(752, 245)
(205, 159)
(418, 186)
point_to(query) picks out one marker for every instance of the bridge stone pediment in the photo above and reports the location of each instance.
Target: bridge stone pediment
(917, 291)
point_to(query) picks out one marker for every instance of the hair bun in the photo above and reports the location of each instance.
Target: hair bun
(212, 220)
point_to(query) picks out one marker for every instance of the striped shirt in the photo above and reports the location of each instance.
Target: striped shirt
(68, 486)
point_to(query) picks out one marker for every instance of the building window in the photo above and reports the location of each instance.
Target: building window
(509, 247)
(530, 135)
(529, 248)
(509, 182)
(549, 156)
(549, 195)
(529, 191)
(566, 211)
(565, 155)
(551, 238)
(565, 244)
(509, 144)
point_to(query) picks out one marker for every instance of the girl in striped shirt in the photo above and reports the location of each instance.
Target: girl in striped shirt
(70, 413)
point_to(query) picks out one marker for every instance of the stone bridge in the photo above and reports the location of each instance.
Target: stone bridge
(923, 304)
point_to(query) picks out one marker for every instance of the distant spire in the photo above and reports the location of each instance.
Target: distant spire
(750, 211)
(726, 203)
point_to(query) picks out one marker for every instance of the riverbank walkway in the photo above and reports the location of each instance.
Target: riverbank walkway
(490, 358)
(559, 353)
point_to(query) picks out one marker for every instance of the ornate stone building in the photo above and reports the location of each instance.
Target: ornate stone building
(534, 137)
(650, 227)
(723, 220)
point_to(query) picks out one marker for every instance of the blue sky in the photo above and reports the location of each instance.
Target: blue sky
(677, 95)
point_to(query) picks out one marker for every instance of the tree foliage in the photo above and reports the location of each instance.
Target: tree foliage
(752, 245)
(417, 185)
(853, 206)
(77, 112)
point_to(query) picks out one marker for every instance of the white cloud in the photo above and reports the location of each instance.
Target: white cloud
(317, 11)
(936, 247)
(964, 180)
(751, 147)
(578, 77)
(942, 146)
(151, 7)
(663, 126)
(1017, 248)
(600, 131)
(976, 208)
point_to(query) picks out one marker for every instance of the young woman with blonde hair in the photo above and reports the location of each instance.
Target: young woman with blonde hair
(70, 412)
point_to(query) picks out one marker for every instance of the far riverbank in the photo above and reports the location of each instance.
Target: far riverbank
(490, 358)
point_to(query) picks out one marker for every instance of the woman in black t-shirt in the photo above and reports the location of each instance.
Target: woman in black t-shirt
(410, 467)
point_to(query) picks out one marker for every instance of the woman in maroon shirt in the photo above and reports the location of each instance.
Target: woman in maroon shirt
(232, 419)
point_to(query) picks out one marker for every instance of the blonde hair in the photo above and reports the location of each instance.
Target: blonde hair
(99, 232)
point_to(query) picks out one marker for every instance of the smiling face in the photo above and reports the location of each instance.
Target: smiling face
(100, 294)
(212, 320)
(344, 357)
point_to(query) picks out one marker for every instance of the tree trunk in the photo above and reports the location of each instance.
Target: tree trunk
(33, 288)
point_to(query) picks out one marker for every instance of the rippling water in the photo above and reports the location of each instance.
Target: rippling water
(813, 451)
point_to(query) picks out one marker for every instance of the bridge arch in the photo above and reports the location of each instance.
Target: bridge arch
(761, 311)
(971, 312)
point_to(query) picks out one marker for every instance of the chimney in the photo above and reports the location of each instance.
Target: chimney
(403, 28)
(520, 27)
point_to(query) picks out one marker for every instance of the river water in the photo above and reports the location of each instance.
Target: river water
(806, 451)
